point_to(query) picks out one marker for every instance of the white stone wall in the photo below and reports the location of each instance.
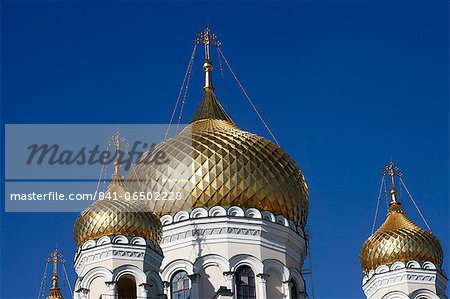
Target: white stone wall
(211, 278)
(101, 263)
(97, 287)
(212, 244)
(405, 280)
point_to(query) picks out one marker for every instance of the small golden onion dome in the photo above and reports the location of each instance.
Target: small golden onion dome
(55, 292)
(115, 215)
(212, 162)
(399, 239)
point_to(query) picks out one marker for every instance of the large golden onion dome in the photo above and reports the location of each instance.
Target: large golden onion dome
(399, 239)
(115, 215)
(213, 162)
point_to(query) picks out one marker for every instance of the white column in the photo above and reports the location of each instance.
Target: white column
(195, 279)
(112, 289)
(143, 290)
(167, 289)
(229, 277)
(287, 289)
(262, 291)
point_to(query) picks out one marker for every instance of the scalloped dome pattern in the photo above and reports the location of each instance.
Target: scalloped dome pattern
(117, 217)
(214, 163)
(399, 239)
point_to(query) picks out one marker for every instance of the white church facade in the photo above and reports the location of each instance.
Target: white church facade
(238, 230)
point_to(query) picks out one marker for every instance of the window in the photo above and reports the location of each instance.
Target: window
(180, 286)
(126, 287)
(245, 283)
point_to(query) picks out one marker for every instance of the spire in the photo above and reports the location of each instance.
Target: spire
(207, 38)
(392, 171)
(117, 177)
(55, 292)
(209, 107)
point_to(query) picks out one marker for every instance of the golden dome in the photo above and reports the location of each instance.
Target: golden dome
(213, 162)
(55, 292)
(399, 239)
(115, 215)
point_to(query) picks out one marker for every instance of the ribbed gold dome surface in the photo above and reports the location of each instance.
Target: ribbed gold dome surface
(55, 292)
(117, 217)
(213, 162)
(399, 239)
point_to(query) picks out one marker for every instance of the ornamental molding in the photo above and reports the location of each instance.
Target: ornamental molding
(234, 211)
(245, 225)
(401, 265)
(117, 239)
(111, 277)
(257, 233)
(117, 247)
(177, 265)
(209, 232)
(399, 273)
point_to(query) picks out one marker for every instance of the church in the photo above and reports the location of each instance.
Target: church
(236, 226)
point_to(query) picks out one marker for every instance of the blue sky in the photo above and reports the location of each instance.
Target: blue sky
(344, 85)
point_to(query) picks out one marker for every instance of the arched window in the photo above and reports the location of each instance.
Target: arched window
(180, 286)
(126, 287)
(294, 291)
(245, 283)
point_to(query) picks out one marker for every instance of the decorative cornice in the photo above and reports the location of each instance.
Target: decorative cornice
(398, 273)
(402, 265)
(234, 211)
(117, 239)
(242, 231)
(119, 246)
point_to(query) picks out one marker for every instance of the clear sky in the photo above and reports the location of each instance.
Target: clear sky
(344, 85)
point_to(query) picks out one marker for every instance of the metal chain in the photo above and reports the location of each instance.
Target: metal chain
(223, 81)
(102, 174)
(44, 279)
(181, 90)
(378, 204)
(67, 279)
(127, 146)
(414, 202)
(385, 195)
(191, 63)
(248, 97)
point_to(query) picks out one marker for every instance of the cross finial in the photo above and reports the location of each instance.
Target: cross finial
(392, 171)
(56, 258)
(117, 138)
(116, 141)
(207, 37)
